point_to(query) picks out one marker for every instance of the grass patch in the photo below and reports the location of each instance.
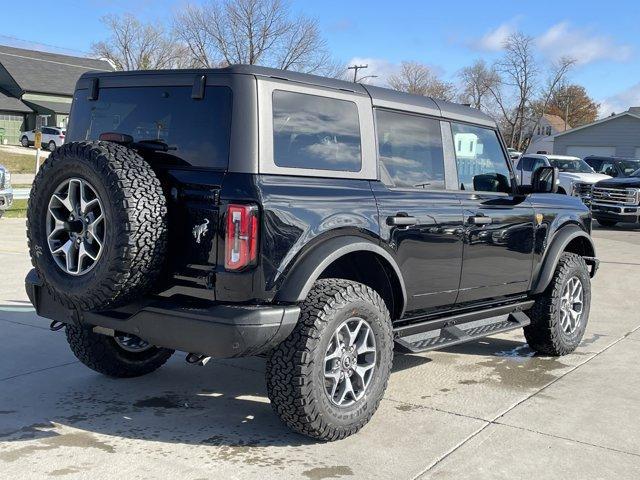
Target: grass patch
(18, 209)
(18, 162)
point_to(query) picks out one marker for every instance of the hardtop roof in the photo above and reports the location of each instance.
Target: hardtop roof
(380, 96)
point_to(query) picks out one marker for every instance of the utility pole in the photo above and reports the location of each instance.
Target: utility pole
(355, 69)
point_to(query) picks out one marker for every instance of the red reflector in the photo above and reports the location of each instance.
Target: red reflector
(115, 137)
(241, 239)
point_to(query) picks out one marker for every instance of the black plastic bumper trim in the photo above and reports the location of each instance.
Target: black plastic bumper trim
(219, 331)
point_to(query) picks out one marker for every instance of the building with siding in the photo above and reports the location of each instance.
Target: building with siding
(37, 88)
(542, 133)
(617, 135)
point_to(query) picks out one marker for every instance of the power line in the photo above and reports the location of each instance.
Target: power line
(35, 44)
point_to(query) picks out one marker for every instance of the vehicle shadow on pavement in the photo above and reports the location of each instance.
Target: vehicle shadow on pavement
(223, 404)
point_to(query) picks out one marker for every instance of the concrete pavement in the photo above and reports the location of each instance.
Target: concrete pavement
(490, 409)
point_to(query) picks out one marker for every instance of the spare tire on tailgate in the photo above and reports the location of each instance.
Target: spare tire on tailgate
(97, 225)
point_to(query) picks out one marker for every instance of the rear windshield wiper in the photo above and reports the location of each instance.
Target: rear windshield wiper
(124, 139)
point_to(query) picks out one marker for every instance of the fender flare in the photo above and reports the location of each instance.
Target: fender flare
(552, 255)
(310, 266)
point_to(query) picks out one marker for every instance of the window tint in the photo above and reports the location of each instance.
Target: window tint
(410, 149)
(315, 132)
(197, 131)
(482, 165)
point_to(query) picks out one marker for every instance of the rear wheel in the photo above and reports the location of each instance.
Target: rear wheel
(559, 316)
(607, 223)
(328, 377)
(52, 146)
(122, 356)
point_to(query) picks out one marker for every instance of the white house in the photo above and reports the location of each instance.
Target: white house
(542, 133)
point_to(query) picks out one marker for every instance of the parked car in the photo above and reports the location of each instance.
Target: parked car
(613, 166)
(6, 192)
(52, 138)
(617, 200)
(298, 231)
(514, 154)
(576, 176)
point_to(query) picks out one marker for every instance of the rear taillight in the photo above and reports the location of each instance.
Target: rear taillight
(61, 136)
(241, 238)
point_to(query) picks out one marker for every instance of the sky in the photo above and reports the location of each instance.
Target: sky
(601, 36)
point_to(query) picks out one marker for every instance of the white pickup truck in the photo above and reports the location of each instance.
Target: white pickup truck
(576, 176)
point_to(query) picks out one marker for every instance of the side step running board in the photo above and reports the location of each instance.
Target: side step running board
(450, 335)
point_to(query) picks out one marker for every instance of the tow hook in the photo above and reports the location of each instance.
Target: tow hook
(197, 359)
(56, 325)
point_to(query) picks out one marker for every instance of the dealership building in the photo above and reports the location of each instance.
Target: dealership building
(37, 88)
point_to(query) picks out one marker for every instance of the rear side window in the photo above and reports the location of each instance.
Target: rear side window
(315, 132)
(482, 165)
(410, 149)
(196, 131)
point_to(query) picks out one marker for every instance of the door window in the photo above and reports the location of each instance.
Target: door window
(410, 151)
(482, 165)
(310, 131)
(608, 168)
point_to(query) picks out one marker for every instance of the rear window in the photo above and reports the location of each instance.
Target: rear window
(197, 131)
(315, 132)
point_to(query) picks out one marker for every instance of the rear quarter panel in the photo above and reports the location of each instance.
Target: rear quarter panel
(297, 213)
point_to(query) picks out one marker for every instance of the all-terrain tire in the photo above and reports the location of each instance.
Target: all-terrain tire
(295, 369)
(135, 212)
(102, 354)
(545, 333)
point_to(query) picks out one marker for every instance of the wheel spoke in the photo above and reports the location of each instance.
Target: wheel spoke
(347, 388)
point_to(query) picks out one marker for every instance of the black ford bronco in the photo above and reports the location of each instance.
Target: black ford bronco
(321, 223)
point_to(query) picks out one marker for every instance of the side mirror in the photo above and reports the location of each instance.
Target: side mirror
(545, 180)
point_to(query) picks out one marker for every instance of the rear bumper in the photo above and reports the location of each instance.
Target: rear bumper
(220, 331)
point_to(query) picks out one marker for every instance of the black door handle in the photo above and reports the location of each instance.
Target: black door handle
(480, 220)
(401, 220)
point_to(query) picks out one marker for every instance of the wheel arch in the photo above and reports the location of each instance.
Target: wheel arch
(572, 239)
(351, 258)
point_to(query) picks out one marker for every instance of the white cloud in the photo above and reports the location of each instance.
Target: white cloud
(620, 102)
(583, 44)
(493, 40)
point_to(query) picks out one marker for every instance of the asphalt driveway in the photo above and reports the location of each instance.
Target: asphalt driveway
(489, 409)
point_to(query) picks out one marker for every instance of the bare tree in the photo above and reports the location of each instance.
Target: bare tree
(476, 82)
(254, 32)
(420, 79)
(133, 45)
(554, 81)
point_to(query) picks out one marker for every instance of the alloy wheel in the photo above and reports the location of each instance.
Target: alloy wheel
(76, 226)
(350, 362)
(571, 305)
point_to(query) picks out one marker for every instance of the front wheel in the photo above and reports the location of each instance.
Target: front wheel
(24, 141)
(121, 356)
(328, 377)
(559, 316)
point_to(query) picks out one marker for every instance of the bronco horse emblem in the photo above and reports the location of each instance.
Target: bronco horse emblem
(201, 230)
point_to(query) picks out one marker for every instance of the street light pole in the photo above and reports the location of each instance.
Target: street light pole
(355, 69)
